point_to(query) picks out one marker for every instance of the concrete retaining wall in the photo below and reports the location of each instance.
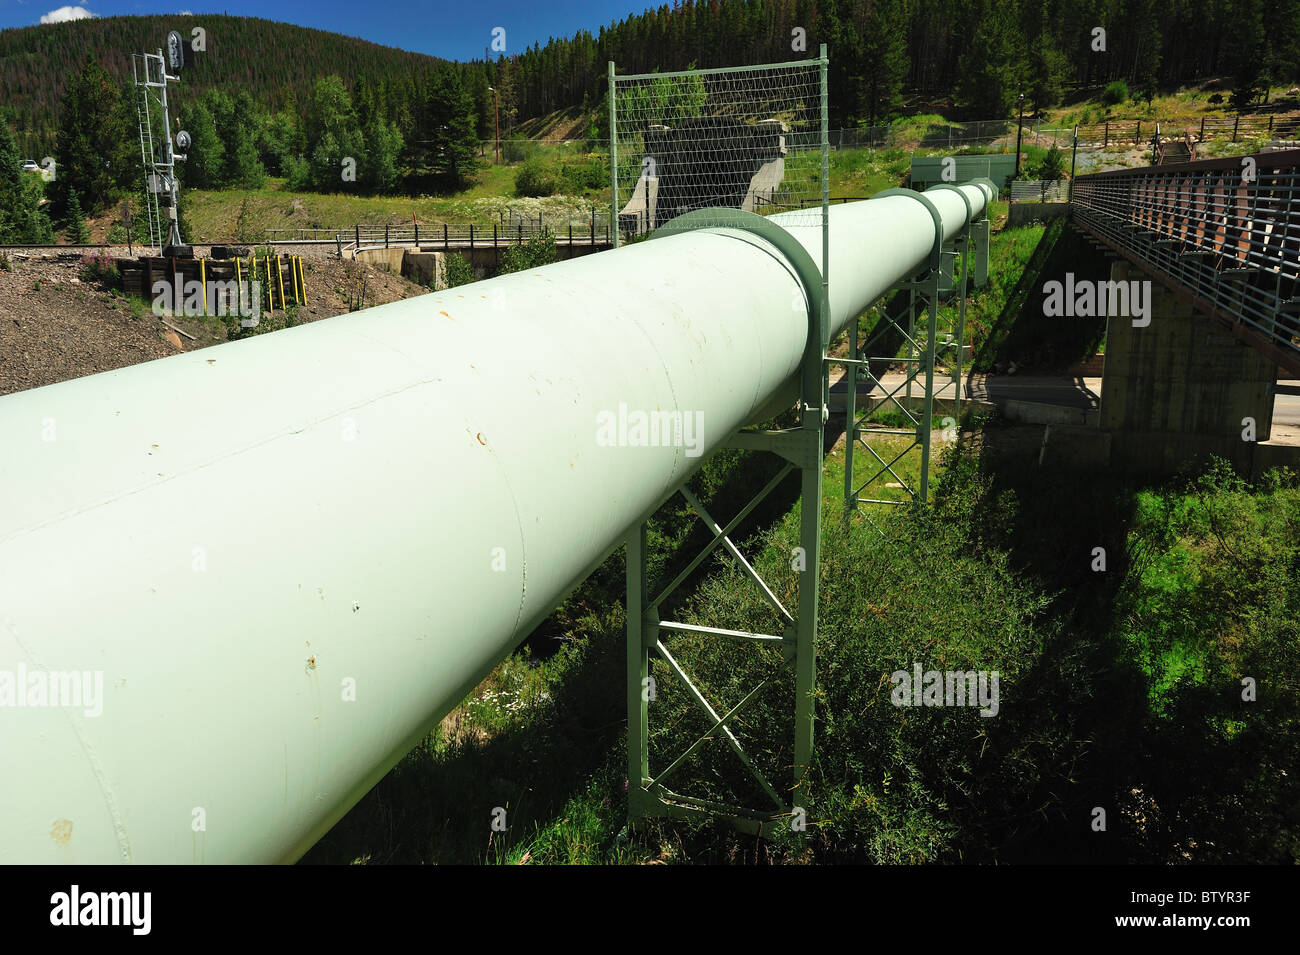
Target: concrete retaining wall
(1177, 390)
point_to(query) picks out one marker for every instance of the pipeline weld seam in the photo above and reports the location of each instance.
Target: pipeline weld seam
(96, 768)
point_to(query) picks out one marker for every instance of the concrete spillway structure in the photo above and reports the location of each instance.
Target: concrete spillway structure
(284, 559)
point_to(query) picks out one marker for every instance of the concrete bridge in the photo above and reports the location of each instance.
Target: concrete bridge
(1218, 244)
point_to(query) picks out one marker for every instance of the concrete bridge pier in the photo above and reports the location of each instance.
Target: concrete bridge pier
(1181, 388)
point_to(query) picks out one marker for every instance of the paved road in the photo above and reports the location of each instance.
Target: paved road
(1079, 393)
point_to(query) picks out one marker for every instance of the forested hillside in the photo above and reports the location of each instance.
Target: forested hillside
(331, 113)
(983, 51)
(976, 53)
(277, 64)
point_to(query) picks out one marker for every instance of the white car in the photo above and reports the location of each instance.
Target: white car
(30, 165)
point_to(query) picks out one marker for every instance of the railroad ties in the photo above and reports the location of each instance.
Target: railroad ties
(226, 283)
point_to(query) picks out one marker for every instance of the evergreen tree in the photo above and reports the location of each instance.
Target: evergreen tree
(92, 154)
(992, 70)
(280, 141)
(884, 62)
(1246, 38)
(75, 221)
(21, 218)
(333, 138)
(1048, 69)
(451, 119)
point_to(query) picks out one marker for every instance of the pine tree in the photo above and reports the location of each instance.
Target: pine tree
(450, 113)
(75, 222)
(884, 62)
(21, 218)
(93, 155)
(992, 70)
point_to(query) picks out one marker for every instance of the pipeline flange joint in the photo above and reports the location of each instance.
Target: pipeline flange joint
(805, 269)
(966, 202)
(937, 249)
(994, 191)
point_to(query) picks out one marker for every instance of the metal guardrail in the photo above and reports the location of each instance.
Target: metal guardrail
(1223, 234)
(1138, 132)
(447, 236)
(1039, 190)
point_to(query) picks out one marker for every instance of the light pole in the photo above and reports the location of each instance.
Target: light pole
(496, 113)
(1074, 152)
(1019, 123)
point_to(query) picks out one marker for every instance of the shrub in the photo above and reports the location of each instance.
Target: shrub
(1115, 93)
(457, 270)
(4, 263)
(538, 250)
(518, 150)
(535, 180)
(100, 267)
(589, 174)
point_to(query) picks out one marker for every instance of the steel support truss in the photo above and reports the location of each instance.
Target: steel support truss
(931, 286)
(647, 633)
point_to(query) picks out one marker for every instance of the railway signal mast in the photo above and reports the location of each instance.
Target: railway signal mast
(150, 72)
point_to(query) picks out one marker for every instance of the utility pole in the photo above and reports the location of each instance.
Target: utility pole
(1074, 151)
(1019, 123)
(496, 112)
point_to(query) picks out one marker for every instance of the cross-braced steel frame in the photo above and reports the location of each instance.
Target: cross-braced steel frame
(647, 633)
(801, 449)
(929, 287)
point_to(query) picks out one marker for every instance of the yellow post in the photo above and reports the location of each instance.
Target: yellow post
(239, 289)
(279, 274)
(203, 281)
(302, 280)
(270, 287)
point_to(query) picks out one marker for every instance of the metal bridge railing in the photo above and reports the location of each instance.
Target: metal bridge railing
(1224, 234)
(591, 231)
(1039, 190)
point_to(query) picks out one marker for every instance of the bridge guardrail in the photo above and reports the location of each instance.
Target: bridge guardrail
(1039, 190)
(594, 231)
(1224, 234)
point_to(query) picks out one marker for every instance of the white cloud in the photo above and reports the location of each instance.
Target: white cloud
(64, 14)
(187, 13)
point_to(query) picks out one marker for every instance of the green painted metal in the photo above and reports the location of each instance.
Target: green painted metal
(613, 158)
(927, 170)
(653, 797)
(963, 245)
(385, 503)
(935, 282)
(802, 450)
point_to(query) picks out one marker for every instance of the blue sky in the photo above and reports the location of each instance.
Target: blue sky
(455, 29)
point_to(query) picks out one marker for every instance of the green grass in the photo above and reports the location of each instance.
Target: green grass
(864, 172)
(214, 214)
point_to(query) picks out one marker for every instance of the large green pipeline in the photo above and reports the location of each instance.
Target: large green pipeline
(284, 559)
